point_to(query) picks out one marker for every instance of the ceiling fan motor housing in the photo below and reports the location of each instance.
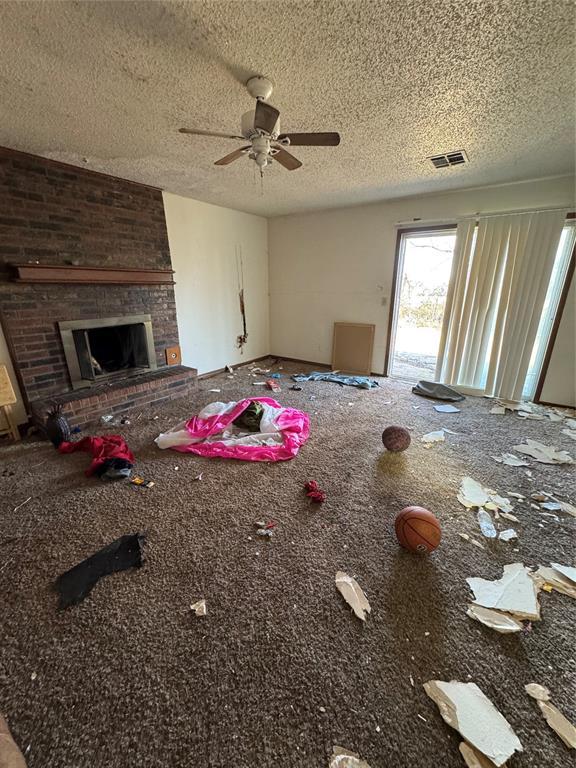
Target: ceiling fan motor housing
(247, 126)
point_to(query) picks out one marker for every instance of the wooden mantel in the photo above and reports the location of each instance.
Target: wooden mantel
(54, 273)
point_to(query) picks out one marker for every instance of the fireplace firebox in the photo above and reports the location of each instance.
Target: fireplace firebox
(107, 348)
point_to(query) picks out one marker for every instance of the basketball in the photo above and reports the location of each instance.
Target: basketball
(417, 530)
(396, 439)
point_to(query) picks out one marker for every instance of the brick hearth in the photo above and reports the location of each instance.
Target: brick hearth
(86, 406)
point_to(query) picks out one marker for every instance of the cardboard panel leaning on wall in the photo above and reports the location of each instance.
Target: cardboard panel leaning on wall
(18, 408)
(208, 245)
(337, 265)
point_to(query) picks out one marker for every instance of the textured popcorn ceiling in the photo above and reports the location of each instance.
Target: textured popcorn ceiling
(107, 85)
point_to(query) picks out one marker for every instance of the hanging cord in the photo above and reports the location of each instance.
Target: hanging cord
(243, 338)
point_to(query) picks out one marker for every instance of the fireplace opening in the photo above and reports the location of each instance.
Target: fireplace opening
(114, 347)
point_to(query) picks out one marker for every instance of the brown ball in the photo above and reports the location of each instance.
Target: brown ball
(396, 439)
(417, 529)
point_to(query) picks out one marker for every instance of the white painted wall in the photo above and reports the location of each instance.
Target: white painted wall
(337, 265)
(560, 382)
(18, 408)
(204, 242)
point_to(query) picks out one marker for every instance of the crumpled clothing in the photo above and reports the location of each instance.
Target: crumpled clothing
(437, 391)
(102, 449)
(313, 492)
(364, 382)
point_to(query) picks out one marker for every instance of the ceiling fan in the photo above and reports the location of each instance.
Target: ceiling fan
(261, 127)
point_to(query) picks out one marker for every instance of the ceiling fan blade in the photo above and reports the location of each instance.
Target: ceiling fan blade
(232, 156)
(286, 159)
(312, 139)
(265, 117)
(194, 132)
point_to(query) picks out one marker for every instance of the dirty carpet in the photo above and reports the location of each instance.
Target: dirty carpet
(279, 670)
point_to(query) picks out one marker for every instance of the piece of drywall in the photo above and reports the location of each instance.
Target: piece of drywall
(337, 265)
(18, 408)
(210, 248)
(560, 382)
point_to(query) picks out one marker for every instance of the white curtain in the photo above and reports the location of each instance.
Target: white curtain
(500, 276)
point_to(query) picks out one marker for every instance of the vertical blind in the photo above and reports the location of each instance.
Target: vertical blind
(500, 276)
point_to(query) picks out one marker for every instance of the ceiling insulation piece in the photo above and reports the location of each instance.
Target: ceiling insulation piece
(566, 570)
(473, 758)
(510, 460)
(342, 758)
(352, 593)
(545, 454)
(556, 579)
(537, 692)
(465, 708)
(516, 592)
(560, 724)
(501, 622)
(474, 494)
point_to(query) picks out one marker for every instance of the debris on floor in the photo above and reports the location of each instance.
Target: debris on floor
(109, 454)
(516, 592)
(353, 594)
(510, 460)
(295, 388)
(199, 607)
(437, 391)
(77, 583)
(555, 719)
(446, 409)
(472, 494)
(465, 708)
(473, 758)
(501, 622)
(466, 537)
(273, 385)
(558, 577)
(140, 481)
(486, 525)
(212, 433)
(545, 454)
(508, 535)
(57, 427)
(342, 758)
(433, 437)
(363, 382)
(316, 494)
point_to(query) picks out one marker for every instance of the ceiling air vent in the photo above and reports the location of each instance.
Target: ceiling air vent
(449, 159)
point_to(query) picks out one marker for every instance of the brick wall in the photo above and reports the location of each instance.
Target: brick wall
(58, 214)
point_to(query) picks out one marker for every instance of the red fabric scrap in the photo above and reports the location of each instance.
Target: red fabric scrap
(316, 494)
(101, 448)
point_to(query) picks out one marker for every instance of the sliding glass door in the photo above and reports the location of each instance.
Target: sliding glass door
(424, 264)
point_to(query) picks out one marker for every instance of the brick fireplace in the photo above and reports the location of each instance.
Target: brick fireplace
(91, 251)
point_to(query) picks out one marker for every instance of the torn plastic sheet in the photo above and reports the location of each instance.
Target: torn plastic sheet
(516, 592)
(545, 454)
(508, 535)
(465, 708)
(342, 758)
(77, 583)
(486, 525)
(212, 432)
(352, 593)
(501, 622)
